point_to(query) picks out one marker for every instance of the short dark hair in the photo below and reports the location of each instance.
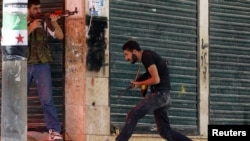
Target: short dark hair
(131, 45)
(33, 2)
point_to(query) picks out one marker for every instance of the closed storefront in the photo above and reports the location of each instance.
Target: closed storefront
(229, 62)
(170, 29)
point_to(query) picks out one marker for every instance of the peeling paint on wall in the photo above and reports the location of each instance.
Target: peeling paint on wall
(75, 49)
(204, 60)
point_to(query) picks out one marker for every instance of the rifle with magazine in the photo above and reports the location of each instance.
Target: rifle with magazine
(144, 88)
(45, 17)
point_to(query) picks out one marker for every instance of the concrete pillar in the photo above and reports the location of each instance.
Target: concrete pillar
(75, 73)
(97, 87)
(14, 101)
(203, 58)
(86, 92)
(14, 43)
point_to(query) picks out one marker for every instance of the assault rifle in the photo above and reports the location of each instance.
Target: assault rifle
(60, 13)
(45, 17)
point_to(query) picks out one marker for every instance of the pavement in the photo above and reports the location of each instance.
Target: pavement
(37, 136)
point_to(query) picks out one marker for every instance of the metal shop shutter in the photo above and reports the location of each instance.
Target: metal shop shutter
(169, 28)
(35, 114)
(229, 62)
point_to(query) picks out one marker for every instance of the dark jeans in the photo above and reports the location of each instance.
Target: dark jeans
(41, 73)
(158, 103)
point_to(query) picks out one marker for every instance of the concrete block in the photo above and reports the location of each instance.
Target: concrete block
(97, 91)
(97, 120)
(98, 138)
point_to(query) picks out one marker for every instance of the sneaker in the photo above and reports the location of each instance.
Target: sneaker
(55, 136)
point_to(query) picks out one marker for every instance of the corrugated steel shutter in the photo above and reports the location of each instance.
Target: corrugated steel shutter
(35, 114)
(229, 62)
(169, 28)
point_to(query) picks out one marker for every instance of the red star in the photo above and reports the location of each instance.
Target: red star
(19, 38)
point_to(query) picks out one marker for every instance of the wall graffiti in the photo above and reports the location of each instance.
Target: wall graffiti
(96, 43)
(204, 59)
(15, 71)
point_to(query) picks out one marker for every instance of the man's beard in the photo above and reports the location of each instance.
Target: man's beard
(34, 16)
(134, 59)
(31, 16)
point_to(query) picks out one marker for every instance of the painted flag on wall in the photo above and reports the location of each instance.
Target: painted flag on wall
(14, 27)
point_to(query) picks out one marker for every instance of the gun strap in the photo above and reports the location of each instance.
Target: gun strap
(130, 86)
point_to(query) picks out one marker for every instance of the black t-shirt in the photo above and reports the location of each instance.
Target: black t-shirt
(149, 58)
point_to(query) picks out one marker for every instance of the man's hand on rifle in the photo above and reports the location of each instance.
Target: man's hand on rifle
(54, 17)
(135, 84)
(37, 23)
